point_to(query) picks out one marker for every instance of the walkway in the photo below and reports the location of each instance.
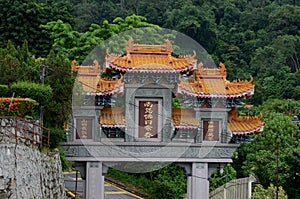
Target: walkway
(111, 191)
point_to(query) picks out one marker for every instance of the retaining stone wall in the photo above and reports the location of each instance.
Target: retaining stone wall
(27, 173)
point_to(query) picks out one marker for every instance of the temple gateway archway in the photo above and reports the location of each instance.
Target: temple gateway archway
(132, 117)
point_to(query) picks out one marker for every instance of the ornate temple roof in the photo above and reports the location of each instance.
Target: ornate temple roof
(184, 118)
(207, 82)
(109, 86)
(150, 58)
(212, 83)
(93, 84)
(113, 117)
(241, 125)
(88, 76)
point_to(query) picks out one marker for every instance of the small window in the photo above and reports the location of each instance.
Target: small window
(113, 132)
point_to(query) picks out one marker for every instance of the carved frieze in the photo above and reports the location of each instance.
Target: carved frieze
(150, 78)
(153, 151)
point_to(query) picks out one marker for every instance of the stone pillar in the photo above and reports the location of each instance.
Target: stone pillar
(198, 185)
(129, 114)
(97, 131)
(94, 180)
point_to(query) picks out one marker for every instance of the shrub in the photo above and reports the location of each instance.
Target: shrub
(3, 90)
(64, 162)
(56, 137)
(18, 107)
(38, 92)
(169, 183)
(269, 193)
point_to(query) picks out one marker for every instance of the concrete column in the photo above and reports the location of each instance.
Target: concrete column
(189, 187)
(94, 180)
(198, 184)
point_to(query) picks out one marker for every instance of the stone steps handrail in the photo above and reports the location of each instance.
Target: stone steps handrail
(26, 131)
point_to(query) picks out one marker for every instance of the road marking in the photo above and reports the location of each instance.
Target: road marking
(78, 179)
(69, 172)
(125, 192)
(122, 191)
(112, 192)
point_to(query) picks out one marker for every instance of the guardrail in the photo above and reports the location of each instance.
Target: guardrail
(25, 131)
(239, 188)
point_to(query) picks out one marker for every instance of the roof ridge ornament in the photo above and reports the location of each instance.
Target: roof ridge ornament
(133, 48)
(251, 79)
(223, 70)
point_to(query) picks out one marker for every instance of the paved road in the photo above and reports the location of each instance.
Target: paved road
(111, 191)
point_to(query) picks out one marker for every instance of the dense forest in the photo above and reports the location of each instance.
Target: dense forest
(258, 38)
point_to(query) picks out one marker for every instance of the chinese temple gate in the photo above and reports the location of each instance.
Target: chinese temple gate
(131, 117)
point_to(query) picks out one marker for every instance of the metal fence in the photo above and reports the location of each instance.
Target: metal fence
(25, 131)
(235, 189)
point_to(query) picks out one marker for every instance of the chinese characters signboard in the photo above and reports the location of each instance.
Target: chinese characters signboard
(84, 128)
(211, 130)
(148, 119)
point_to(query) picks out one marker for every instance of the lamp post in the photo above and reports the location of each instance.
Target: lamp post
(43, 82)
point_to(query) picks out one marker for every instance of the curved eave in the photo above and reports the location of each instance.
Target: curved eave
(113, 125)
(185, 127)
(213, 95)
(247, 131)
(137, 70)
(108, 92)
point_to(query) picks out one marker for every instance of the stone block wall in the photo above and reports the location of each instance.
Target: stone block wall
(27, 173)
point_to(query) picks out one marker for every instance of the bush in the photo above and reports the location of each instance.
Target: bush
(18, 107)
(3, 90)
(64, 162)
(169, 183)
(56, 137)
(269, 193)
(38, 92)
(166, 183)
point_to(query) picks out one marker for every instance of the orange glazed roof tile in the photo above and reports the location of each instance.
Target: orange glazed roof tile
(150, 58)
(113, 117)
(109, 86)
(212, 83)
(184, 118)
(86, 70)
(89, 77)
(240, 125)
(89, 83)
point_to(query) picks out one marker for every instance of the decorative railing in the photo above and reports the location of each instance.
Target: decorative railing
(23, 131)
(239, 188)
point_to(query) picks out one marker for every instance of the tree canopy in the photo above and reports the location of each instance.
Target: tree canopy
(252, 38)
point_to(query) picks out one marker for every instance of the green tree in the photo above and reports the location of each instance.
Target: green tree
(197, 22)
(41, 93)
(61, 79)
(169, 183)
(20, 20)
(3, 90)
(269, 193)
(75, 45)
(280, 139)
(17, 63)
(220, 178)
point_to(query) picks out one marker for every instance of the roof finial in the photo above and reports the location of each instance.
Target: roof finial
(251, 79)
(129, 45)
(222, 69)
(168, 46)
